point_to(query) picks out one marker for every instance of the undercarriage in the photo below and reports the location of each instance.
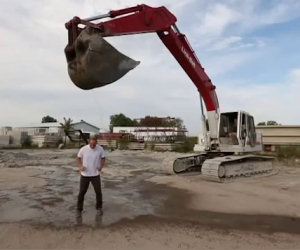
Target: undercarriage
(216, 166)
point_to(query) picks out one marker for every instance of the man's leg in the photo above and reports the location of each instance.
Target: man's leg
(97, 187)
(84, 185)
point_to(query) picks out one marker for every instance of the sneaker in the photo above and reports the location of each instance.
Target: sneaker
(78, 214)
(100, 211)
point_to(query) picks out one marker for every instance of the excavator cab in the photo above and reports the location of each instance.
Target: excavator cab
(237, 133)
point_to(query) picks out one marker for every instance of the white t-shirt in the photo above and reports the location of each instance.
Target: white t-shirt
(91, 159)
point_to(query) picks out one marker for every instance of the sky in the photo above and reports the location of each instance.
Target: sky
(249, 48)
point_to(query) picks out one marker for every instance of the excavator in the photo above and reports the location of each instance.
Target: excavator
(226, 140)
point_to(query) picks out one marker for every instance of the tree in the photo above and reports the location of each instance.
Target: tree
(177, 123)
(268, 123)
(120, 120)
(149, 121)
(66, 126)
(48, 118)
(272, 123)
(261, 124)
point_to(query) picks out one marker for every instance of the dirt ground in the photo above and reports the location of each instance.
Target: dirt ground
(146, 206)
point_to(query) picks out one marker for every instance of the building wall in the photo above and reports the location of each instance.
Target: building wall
(86, 128)
(12, 137)
(42, 129)
(5, 130)
(279, 135)
(45, 140)
(18, 137)
(31, 131)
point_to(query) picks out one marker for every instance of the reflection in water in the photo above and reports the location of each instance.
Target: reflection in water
(98, 220)
(78, 221)
(97, 223)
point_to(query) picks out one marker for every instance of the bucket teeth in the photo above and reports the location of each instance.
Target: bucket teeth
(93, 62)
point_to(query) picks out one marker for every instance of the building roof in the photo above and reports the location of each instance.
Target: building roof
(276, 126)
(52, 125)
(82, 121)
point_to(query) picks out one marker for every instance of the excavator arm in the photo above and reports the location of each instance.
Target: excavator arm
(145, 19)
(92, 62)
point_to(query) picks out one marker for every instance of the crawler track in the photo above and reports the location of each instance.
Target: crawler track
(224, 168)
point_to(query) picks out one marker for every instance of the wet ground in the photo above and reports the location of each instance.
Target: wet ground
(40, 187)
(125, 196)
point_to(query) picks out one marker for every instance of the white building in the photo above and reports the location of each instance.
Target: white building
(54, 128)
(5, 130)
(279, 135)
(9, 136)
(42, 129)
(152, 133)
(86, 127)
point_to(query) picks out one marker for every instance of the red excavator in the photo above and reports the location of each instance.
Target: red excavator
(226, 138)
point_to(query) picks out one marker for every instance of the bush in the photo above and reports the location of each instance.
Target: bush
(27, 142)
(187, 145)
(285, 152)
(123, 143)
(150, 146)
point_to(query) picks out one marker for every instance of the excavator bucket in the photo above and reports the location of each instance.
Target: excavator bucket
(93, 62)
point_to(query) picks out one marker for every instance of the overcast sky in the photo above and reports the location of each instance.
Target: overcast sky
(249, 48)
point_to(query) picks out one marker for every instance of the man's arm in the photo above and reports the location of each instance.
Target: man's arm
(102, 162)
(80, 166)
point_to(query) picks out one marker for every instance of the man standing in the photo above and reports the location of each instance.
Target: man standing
(91, 160)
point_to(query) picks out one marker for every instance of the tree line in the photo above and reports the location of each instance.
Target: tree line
(121, 120)
(268, 123)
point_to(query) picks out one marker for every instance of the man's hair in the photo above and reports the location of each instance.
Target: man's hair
(93, 137)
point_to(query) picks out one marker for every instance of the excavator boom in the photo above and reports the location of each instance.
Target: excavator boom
(92, 62)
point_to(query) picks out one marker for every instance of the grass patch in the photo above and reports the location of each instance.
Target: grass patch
(288, 154)
(187, 145)
(285, 152)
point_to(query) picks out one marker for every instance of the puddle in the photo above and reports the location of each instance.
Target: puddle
(124, 197)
